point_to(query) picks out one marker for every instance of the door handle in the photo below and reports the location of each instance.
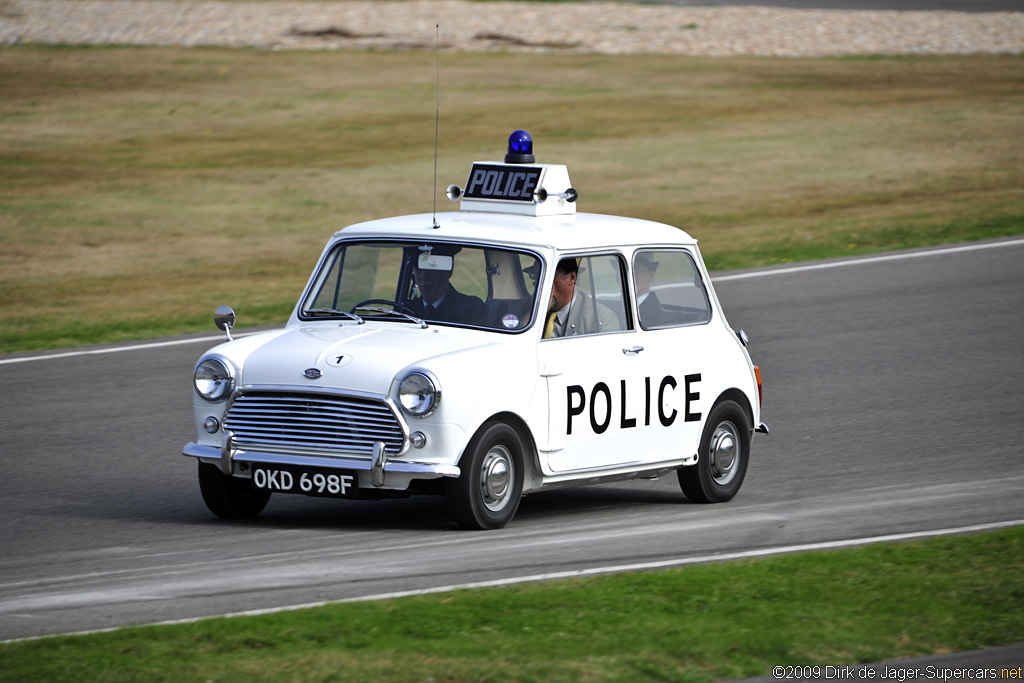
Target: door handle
(635, 349)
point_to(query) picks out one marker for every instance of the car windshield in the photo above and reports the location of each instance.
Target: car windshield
(434, 282)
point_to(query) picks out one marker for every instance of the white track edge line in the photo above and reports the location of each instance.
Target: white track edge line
(869, 259)
(118, 349)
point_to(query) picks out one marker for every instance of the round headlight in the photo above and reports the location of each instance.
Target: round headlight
(213, 380)
(418, 394)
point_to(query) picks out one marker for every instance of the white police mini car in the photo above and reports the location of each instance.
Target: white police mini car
(512, 346)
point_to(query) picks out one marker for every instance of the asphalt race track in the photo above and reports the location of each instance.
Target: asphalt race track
(893, 387)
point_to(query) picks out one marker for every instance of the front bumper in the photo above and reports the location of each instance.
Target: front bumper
(376, 472)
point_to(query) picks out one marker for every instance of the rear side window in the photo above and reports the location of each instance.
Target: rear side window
(669, 290)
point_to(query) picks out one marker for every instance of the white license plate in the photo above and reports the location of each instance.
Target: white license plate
(309, 481)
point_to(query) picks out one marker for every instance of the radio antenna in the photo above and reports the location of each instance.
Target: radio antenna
(437, 110)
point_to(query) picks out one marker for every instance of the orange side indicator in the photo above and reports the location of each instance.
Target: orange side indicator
(760, 392)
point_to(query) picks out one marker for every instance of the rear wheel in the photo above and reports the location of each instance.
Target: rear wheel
(724, 451)
(230, 497)
(487, 493)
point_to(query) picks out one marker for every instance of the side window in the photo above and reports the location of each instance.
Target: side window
(669, 290)
(592, 291)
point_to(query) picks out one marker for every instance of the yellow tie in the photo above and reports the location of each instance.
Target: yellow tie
(549, 328)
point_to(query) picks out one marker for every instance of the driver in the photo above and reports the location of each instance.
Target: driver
(438, 299)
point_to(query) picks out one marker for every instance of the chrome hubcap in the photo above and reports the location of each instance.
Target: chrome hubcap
(724, 452)
(496, 478)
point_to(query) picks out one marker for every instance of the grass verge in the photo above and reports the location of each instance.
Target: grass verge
(141, 187)
(698, 623)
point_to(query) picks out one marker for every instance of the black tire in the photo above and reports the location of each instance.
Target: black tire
(486, 495)
(230, 497)
(724, 452)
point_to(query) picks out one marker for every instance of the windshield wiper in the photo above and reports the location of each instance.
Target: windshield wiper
(334, 311)
(391, 311)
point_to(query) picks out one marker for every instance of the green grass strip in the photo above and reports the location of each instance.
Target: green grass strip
(852, 242)
(698, 623)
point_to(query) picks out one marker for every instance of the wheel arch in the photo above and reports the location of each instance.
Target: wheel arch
(531, 475)
(741, 399)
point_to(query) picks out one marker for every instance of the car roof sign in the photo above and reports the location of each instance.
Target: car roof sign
(517, 185)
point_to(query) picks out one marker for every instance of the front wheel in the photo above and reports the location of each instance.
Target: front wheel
(486, 495)
(230, 497)
(723, 455)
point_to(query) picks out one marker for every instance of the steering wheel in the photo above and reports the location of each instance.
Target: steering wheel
(395, 306)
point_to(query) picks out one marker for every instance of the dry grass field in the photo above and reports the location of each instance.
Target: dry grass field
(142, 187)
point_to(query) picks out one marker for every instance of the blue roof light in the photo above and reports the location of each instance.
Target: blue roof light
(520, 148)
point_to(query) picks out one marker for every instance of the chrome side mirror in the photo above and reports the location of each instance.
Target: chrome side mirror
(224, 318)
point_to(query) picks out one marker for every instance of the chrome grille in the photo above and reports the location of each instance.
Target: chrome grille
(326, 424)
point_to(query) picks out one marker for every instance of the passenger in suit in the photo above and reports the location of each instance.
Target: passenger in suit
(440, 301)
(573, 312)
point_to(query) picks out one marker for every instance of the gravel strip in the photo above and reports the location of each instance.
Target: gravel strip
(605, 28)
